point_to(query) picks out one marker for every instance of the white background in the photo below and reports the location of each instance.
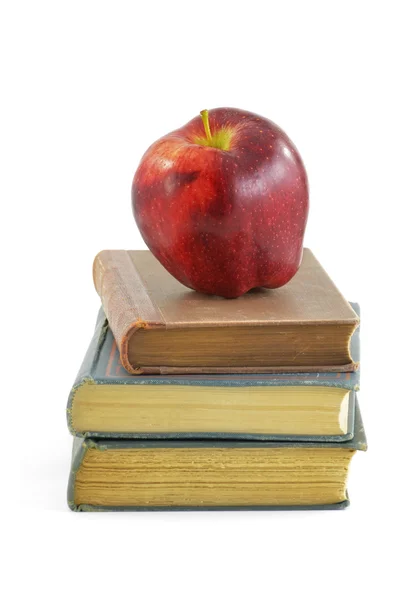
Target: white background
(86, 88)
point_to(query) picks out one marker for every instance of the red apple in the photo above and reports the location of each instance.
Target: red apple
(223, 203)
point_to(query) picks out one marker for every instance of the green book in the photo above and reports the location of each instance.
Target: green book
(106, 401)
(212, 474)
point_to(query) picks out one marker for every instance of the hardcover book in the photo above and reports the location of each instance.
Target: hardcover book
(162, 327)
(107, 402)
(194, 475)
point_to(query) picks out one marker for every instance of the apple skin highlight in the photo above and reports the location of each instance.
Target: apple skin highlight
(224, 221)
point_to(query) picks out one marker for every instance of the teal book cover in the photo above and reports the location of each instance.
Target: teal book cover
(116, 479)
(102, 367)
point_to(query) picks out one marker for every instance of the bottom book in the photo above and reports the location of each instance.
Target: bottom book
(211, 475)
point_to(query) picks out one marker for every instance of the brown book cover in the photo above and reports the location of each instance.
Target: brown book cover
(160, 326)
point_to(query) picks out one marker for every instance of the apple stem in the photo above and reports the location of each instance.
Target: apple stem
(204, 116)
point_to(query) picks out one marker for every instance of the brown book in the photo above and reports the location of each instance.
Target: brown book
(160, 326)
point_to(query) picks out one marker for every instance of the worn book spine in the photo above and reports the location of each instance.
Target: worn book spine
(128, 308)
(87, 369)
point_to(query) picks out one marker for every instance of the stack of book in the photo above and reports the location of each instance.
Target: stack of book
(188, 401)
